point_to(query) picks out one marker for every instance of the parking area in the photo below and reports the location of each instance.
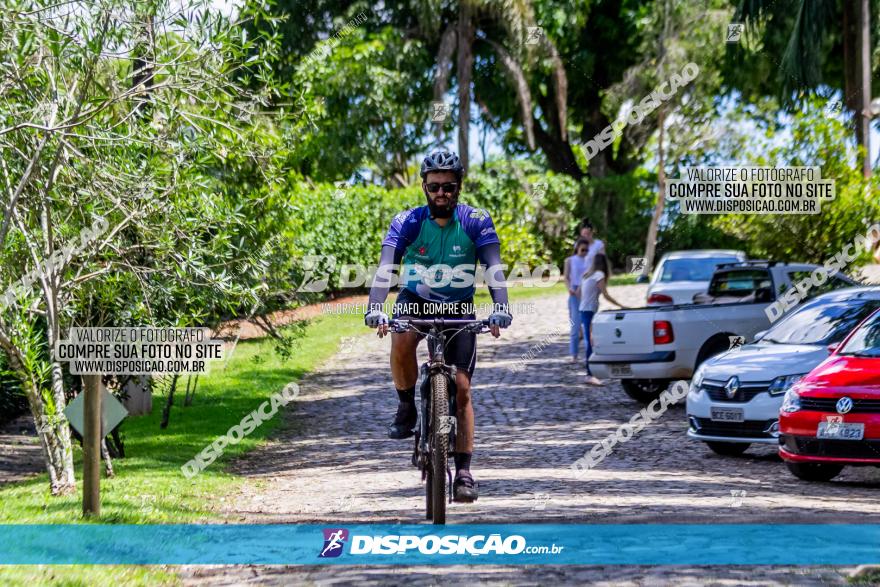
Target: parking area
(333, 462)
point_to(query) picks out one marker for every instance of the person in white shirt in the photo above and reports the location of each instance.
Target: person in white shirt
(574, 269)
(595, 245)
(592, 284)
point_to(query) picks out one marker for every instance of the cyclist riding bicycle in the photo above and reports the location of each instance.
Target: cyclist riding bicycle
(443, 235)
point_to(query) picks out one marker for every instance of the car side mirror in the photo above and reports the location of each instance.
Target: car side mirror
(760, 335)
(642, 278)
(833, 347)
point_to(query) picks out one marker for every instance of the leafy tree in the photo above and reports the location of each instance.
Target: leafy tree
(371, 96)
(812, 45)
(676, 41)
(813, 140)
(81, 142)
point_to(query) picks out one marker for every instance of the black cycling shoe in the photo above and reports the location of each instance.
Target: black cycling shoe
(464, 489)
(404, 421)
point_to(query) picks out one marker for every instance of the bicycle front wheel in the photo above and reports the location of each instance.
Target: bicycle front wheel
(439, 446)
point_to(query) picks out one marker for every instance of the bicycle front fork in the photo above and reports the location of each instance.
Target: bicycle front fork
(424, 421)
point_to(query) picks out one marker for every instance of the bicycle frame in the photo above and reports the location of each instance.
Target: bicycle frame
(435, 365)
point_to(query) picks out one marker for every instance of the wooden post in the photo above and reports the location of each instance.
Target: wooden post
(92, 446)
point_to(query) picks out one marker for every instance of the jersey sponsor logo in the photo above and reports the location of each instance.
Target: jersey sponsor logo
(486, 231)
(479, 214)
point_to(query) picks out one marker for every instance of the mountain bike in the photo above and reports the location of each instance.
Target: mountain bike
(436, 428)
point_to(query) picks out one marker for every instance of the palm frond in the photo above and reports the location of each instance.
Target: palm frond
(802, 60)
(516, 16)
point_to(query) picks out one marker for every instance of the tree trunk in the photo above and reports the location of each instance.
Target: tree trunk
(55, 441)
(108, 463)
(850, 42)
(464, 71)
(444, 68)
(188, 400)
(560, 157)
(651, 241)
(142, 64)
(52, 427)
(62, 455)
(166, 411)
(863, 114)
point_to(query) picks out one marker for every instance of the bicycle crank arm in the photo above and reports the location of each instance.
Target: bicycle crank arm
(449, 481)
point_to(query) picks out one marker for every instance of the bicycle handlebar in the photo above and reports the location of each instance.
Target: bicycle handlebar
(399, 324)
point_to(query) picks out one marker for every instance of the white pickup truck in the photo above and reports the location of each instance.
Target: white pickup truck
(647, 348)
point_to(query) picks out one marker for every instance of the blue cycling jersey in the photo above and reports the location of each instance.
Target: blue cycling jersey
(439, 261)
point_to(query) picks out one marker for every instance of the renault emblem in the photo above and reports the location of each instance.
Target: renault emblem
(844, 405)
(731, 387)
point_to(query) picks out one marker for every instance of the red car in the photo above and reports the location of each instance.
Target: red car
(831, 417)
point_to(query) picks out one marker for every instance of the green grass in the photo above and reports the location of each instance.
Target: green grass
(87, 575)
(623, 279)
(558, 289)
(867, 576)
(149, 486)
(521, 293)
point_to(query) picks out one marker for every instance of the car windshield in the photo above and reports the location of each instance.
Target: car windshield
(821, 322)
(865, 342)
(740, 282)
(691, 269)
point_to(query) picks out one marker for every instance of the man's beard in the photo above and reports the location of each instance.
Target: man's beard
(444, 211)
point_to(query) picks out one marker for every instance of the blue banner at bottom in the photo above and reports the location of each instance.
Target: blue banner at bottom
(371, 544)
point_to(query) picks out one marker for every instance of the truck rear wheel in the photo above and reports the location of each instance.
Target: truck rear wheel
(644, 390)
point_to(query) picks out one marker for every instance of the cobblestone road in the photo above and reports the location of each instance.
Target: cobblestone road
(333, 462)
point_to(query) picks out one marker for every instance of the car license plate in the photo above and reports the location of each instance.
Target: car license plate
(621, 370)
(727, 414)
(841, 430)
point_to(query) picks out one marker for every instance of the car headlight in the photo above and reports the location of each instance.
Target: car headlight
(791, 402)
(781, 384)
(697, 379)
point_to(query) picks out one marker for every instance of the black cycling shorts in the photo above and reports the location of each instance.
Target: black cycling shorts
(461, 347)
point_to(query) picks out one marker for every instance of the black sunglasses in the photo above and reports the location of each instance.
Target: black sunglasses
(448, 187)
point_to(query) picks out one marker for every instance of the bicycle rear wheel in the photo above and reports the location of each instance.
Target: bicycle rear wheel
(436, 486)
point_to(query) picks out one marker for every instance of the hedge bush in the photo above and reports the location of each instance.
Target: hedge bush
(349, 223)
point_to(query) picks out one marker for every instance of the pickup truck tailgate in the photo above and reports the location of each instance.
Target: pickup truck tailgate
(623, 333)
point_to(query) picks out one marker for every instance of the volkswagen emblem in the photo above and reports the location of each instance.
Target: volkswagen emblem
(731, 387)
(617, 332)
(844, 405)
